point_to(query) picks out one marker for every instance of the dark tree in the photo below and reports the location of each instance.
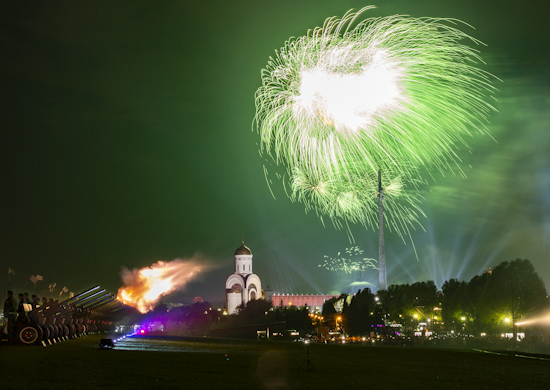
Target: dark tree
(255, 310)
(329, 312)
(452, 303)
(471, 298)
(396, 301)
(514, 290)
(360, 314)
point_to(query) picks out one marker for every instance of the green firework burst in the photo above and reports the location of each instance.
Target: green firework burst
(392, 91)
(397, 94)
(354, 199)
(349, 263)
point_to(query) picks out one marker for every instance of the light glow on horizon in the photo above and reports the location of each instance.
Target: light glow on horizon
(542, 320)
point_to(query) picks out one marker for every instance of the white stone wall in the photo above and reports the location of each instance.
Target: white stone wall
(243, 264)
(233, 300)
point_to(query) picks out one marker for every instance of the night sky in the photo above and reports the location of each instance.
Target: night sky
(127, 139)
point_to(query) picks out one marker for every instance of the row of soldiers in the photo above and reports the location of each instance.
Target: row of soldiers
(15, 311)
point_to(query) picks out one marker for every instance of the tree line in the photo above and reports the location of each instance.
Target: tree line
(512, 290)
(490, 303)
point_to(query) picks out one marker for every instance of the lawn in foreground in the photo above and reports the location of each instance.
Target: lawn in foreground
(243, 364)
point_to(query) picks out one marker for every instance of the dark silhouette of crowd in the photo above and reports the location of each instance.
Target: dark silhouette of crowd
(15, 311)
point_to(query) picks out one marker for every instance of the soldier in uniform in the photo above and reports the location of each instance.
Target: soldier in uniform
(35, 302)
(21, 315)
(10, 308)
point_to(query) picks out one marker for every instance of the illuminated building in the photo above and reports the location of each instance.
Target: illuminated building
(313, 302)
(242, 286)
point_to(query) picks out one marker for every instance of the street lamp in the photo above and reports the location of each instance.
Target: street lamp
(338, 318)
(463, 319)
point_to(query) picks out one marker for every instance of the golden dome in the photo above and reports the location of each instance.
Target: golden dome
(243, 250)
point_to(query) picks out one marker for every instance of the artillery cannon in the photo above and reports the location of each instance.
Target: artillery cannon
(91, 311)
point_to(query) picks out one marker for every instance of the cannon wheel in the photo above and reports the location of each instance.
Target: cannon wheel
(29, 335)
(60, 330)
(54, 332)
(72, 330)
(79, 328)
(46, 332)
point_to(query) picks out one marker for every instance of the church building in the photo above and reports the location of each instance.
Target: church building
(242, 286)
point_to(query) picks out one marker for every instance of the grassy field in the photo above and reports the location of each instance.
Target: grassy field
(79, 364)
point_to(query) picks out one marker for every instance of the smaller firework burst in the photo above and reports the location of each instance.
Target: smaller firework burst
(354, 199)
(350, 262)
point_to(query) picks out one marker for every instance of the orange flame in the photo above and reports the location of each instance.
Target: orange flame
(143, 288)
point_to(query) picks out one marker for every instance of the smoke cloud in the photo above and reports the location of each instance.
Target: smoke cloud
(144, 287)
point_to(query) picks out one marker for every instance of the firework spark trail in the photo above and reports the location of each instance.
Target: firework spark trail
(350, 263)
(395, 94)
(389, 90)
(353, 199)
(144, 288)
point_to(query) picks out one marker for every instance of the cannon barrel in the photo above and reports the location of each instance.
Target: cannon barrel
(105, 306)
(94, 302)
(108, 308)
(47, 308)
(90, 311)
(99, 302)
(82, 300)
(78, 296)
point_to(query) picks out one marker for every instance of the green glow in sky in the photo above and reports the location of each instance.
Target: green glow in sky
(127, 140)
(395, 92)
(359, 96)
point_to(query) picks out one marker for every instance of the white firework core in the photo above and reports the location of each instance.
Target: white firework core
(350, 89)
(392, 95)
